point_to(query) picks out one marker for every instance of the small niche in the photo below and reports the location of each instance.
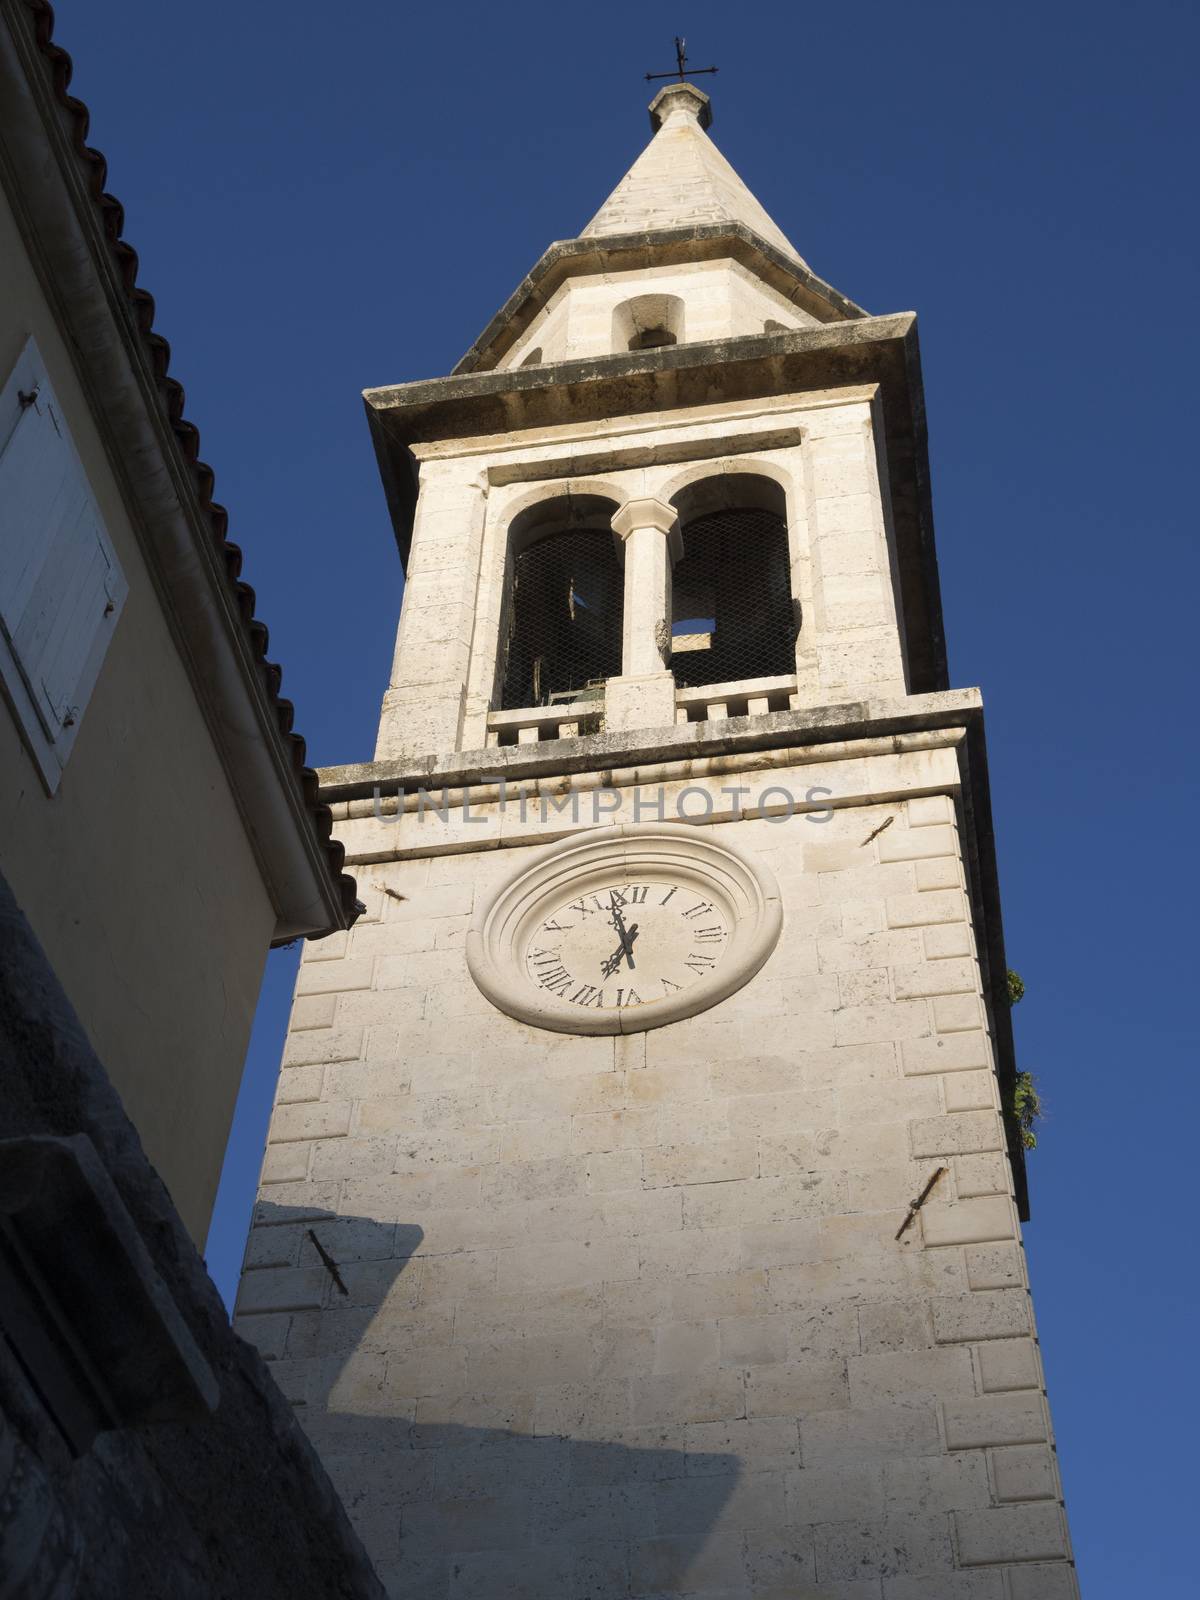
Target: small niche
(647, 322)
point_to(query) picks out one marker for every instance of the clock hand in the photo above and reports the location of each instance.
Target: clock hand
(626, 935)
(618, 922)
(625, 948)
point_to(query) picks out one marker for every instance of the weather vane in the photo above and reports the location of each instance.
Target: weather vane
(681, 70)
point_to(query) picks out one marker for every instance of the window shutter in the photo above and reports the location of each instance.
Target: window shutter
(29, 466)
(61, 588)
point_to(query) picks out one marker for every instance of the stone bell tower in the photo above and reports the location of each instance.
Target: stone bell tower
(641, 1214)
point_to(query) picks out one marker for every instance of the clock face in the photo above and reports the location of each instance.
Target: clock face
(624, 928)
(627, 944)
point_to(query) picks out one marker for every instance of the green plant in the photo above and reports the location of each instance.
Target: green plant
(1026, 1107)
(1016, 988)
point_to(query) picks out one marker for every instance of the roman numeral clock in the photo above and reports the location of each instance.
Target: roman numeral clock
(629, 929)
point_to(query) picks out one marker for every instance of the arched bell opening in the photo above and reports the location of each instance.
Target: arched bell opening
(565, 602)
(733, 616)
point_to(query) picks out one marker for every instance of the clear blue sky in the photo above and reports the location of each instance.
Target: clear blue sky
(326, 198)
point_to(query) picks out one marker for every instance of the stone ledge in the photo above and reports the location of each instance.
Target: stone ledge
(74, 1268)
(858, 719)
(631, 252)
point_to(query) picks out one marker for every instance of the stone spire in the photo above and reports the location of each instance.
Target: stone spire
(681, 178)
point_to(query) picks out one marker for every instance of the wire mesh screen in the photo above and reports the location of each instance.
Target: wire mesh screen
(732, 601)
(566, 627)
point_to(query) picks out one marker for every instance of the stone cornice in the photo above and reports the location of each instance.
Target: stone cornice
(691, 741)
(633, 252)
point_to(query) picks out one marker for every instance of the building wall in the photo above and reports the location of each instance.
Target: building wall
(629, 1316)
(198, 1484)
(137, 876)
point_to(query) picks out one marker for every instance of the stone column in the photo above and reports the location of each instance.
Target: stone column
(644, 695)
(858, 634)
(423, 706)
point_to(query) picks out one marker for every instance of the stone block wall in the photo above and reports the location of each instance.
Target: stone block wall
(612, 1318)
(722, 300)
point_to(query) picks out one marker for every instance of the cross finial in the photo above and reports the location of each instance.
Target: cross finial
(681, 67)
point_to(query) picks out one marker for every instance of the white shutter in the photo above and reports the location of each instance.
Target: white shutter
(30, 464)
(61, 589)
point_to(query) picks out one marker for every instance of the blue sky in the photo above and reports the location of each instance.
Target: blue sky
(327, 198)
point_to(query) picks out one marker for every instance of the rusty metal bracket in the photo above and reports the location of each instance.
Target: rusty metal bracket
(919, 1202)
(329, 1263)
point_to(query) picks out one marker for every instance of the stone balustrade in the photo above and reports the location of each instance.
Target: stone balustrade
(750, 697)
(714, 702)
(530, 724)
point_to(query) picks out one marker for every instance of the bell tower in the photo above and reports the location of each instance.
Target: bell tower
(641, 1209)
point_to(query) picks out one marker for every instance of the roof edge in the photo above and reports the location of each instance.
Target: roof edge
(863, 331)
(73, 230)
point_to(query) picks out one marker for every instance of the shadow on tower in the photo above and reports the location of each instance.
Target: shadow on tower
(478, 1463)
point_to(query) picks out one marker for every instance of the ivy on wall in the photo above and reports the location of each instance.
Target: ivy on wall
(1025, 1106)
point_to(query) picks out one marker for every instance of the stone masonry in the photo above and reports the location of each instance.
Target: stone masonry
(578, 1317)
(626, 1316)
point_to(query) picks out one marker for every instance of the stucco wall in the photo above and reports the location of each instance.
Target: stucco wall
(629, 1316)
(137, 875)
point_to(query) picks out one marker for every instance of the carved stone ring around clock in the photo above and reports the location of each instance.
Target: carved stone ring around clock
(708, 912)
